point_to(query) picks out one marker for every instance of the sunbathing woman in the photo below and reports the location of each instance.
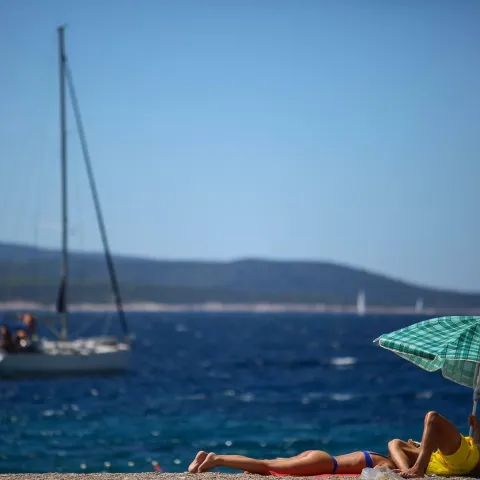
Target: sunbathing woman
(312, 462)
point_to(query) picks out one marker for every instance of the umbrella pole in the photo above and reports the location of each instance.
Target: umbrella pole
(475, 394)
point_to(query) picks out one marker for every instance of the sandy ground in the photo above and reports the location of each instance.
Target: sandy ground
(161, 476)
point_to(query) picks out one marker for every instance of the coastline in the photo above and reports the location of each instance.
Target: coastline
(212, 307)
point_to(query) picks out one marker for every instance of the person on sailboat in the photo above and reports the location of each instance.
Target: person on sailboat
(29, 328)
(6, 342)
(311, 462)
(26, 336)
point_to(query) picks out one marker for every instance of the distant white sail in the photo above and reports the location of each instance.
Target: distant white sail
(419, 305)
(361, 303)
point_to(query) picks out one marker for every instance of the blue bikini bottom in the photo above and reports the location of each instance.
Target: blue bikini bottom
(368, 460)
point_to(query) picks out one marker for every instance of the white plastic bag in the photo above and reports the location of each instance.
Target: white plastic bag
(381, 473)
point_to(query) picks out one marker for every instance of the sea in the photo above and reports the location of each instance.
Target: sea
(257, 384)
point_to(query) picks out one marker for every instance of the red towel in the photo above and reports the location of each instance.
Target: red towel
(316, 476)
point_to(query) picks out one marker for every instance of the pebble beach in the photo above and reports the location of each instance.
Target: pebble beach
(160, 476)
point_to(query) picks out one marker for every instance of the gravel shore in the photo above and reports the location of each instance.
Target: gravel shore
(160, 476)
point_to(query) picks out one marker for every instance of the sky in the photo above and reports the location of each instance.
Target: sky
(342, 131)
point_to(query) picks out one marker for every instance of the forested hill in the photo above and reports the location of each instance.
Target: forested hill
(28, 273)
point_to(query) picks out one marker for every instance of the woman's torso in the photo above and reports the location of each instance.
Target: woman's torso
(355, 462)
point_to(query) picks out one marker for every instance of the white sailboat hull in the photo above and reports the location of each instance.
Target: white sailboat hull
(66, 359)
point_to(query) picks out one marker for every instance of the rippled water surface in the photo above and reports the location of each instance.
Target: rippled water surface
(254, 384)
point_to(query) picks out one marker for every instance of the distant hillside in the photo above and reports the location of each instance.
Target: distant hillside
(28, 273)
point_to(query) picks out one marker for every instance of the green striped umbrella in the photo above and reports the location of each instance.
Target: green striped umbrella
(449, 344)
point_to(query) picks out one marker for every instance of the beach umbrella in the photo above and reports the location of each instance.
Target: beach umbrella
(449, 344)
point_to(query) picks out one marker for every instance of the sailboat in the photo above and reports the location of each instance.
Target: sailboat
(65, 355)
(361, 303)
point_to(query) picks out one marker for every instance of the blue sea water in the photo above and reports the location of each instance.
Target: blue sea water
(263, 385)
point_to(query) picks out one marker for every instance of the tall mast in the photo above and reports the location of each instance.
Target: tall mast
(63, 158)
(96, 203)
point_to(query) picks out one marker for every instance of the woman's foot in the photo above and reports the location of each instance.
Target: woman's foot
(199, 459)
(411, 473)
(209, 463)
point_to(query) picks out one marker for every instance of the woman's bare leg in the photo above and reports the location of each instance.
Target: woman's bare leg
(300, 455)
(403, 454)
(201, 456)
(438, 433)
(309, 463)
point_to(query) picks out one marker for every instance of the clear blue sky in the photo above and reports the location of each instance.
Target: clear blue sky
(302, 129)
